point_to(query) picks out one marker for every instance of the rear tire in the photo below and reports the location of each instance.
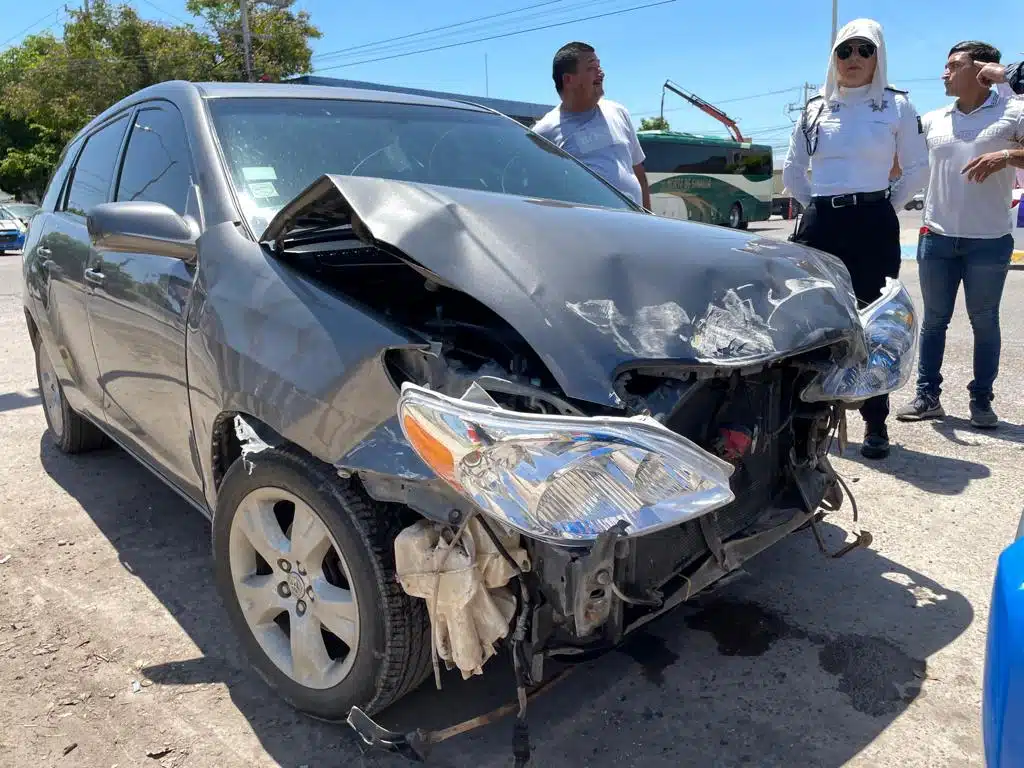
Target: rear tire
(389, 631)
(72, 432)
(736, 216)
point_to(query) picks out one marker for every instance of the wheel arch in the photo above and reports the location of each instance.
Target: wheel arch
(226, 447)
(33, 329)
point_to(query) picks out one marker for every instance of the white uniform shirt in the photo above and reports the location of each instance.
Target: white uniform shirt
(955, 206)
(857, 139)
(602, 138)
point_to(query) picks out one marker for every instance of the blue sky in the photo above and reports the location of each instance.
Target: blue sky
(726, 52)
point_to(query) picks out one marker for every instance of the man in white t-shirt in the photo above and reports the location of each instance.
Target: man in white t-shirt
(974, 146)
(596, 131)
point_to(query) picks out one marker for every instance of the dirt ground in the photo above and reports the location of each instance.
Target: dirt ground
(114, 649)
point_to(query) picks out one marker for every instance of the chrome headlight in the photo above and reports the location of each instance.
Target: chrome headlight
(890, 330)
(563, 478)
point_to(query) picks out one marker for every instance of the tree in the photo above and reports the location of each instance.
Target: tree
(51, 87)
(280, 37)
(654, 124)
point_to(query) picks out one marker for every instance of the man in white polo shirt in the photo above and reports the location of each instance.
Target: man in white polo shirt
(974, 145)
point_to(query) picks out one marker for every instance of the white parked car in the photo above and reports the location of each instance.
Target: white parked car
(12, 231)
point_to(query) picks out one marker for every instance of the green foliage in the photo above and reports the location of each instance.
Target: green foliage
(51, 87)
(280, 37)
(654, 124)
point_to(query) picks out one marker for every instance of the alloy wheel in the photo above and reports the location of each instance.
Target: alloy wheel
(51, 393)
(294, 587)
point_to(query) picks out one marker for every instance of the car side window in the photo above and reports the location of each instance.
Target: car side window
(56, 184)
(90, 181)
(157, 164)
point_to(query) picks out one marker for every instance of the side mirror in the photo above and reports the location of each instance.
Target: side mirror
(142, 227)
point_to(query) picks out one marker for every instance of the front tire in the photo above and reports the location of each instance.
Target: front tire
(305, 567)
(72, 432)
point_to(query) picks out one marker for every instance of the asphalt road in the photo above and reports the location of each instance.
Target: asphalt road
(114, 646)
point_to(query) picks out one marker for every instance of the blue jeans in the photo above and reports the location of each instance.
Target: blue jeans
(943, 263)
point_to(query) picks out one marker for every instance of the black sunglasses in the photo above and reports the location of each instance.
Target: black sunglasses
(864, 50)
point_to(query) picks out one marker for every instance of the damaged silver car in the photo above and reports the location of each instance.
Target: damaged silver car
(441, 390)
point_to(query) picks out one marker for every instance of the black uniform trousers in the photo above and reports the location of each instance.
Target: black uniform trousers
(866, 238)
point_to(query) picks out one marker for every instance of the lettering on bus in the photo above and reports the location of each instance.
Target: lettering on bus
(686, 183)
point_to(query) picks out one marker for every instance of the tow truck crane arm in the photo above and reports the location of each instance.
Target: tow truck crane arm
(703, 106)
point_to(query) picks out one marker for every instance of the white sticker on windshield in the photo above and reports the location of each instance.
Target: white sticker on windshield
(262, 189)
(259, 173)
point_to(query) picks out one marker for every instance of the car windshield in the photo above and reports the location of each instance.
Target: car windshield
(275, 148)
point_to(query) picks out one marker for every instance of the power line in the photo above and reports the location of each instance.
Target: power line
(481, 29)
(167, 13)
(496, 37)
(340, 51)
(55, 13)
(478, 30)
(474, 30)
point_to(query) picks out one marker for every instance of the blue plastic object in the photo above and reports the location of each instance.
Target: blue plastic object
(1002, 707)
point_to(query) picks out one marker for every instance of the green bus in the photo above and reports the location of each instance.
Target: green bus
(708, 179)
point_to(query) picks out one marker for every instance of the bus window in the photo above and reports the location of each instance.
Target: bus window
(718, 182)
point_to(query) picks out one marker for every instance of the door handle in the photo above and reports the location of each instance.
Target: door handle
(42, 250)
(93, 277)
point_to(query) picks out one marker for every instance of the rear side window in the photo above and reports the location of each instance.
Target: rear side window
(157, 165)
(94, 171)
(53, 189)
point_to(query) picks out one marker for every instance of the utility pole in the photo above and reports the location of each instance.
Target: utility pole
(246, 40)
(798, 107)
(835, 19)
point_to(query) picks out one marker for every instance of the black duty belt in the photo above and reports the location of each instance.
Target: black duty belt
(853, 198)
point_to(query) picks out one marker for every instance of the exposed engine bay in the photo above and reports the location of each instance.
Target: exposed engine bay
(588, 597)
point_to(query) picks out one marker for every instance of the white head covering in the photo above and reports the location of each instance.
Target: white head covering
(868, 29)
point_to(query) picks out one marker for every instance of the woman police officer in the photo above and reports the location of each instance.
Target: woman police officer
(851, 136)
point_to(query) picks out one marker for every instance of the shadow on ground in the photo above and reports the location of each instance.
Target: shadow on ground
(12, 401)
(956, 429)
(927, 471)
(733, 679)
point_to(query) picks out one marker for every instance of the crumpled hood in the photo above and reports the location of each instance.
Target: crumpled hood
(595, 290)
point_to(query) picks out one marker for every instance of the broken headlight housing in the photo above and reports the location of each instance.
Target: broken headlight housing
(890, 331)
(563, 478)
